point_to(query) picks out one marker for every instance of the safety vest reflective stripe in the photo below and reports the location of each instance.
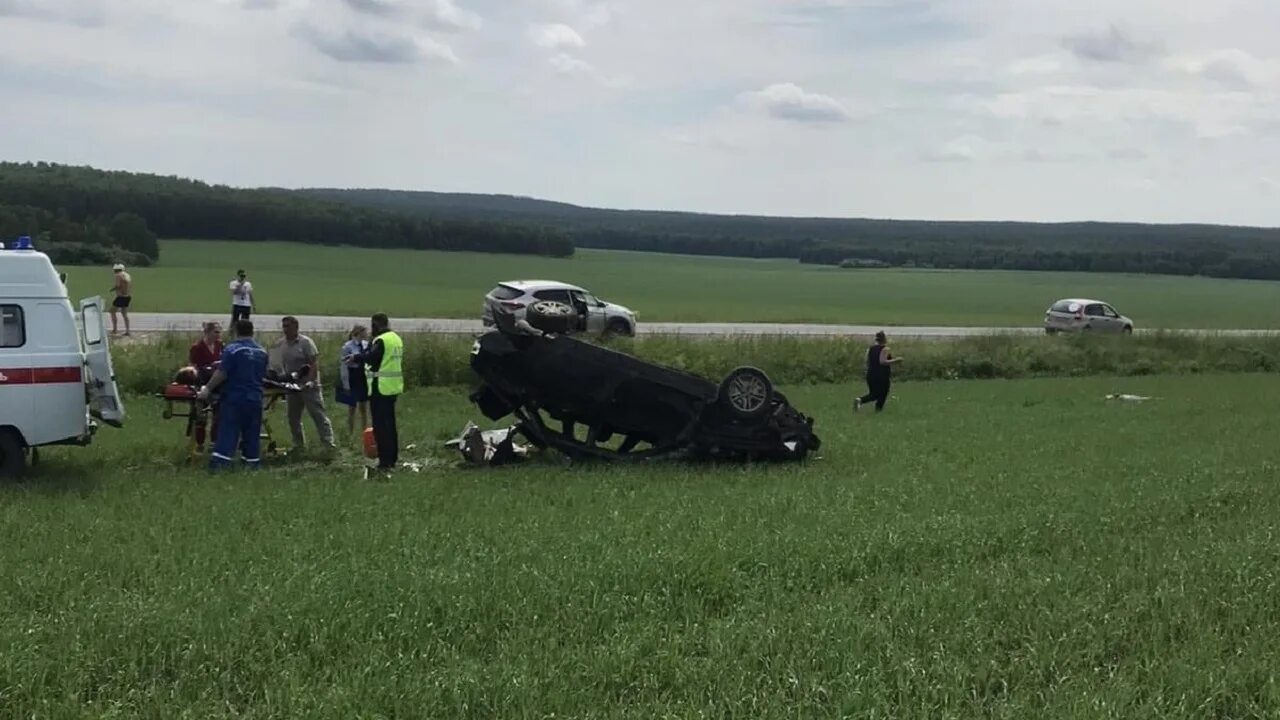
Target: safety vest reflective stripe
(390, 375)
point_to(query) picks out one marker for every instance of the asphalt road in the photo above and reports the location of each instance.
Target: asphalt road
(190, 322)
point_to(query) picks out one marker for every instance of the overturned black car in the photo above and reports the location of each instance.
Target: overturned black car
(611, 405)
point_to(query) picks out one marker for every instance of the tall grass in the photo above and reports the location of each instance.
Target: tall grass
(442, 361)
(969, 553)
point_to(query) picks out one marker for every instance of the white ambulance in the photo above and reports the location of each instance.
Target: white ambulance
(55, 367)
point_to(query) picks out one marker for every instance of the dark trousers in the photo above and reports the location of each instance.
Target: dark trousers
(238, 312)
(382, 408)
(239, 423)
(879, 392)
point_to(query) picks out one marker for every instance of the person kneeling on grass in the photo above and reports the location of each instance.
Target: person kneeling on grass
(879, 370)
(240, 374)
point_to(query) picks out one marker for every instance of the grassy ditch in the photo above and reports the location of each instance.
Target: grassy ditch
(442, 361)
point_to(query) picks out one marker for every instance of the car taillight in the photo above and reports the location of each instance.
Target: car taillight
(513, 305)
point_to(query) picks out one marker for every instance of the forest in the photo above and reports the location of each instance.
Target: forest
(69, 208)
(1211, 250)
(82, 214)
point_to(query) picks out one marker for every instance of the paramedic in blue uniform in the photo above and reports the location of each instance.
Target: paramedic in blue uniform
(240, 374)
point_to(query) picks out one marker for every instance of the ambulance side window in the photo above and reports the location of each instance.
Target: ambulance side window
(91, 317)
(13, 330)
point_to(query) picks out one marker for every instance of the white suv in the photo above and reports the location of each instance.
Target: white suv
(595, 316)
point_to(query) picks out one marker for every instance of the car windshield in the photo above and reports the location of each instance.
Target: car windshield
(1066, 306)
(503, 292)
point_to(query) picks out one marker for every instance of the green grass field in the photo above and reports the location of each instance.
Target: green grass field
(311, 280)
(1002, 549)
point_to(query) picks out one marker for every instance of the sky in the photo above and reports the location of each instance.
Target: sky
(1043, 110)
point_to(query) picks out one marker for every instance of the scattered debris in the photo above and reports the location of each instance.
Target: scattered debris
(489, 447)
(1129, 398)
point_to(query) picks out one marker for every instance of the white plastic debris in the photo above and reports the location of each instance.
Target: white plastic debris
(489, 447)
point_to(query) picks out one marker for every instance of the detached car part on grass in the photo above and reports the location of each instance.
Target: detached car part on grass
(610, 405)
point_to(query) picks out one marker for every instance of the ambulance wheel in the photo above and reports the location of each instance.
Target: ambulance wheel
(12, 455)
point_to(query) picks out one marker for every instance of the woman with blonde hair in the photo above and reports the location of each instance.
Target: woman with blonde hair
(353, 386)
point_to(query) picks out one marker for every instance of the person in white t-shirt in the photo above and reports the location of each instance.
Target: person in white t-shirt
(241, 297)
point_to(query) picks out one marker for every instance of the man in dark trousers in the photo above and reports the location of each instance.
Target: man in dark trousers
(879, 369)
(385, 368)
(240, 374)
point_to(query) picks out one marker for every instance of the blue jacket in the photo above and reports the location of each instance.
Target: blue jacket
(244, 362)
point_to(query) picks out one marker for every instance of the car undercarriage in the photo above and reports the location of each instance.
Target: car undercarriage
(589, 401)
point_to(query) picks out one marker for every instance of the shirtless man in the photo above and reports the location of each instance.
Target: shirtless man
(123, 289)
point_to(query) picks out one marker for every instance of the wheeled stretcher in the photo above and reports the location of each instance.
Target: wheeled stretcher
(181, 400)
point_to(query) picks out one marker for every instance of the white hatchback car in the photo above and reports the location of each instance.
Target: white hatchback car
(1082, 315)
(595, 316)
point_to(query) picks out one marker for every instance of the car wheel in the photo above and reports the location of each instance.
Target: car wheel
(747, 392)
(1128, 329)
(1050, 331)
(551, 317)
(12, 461)
(617, 327)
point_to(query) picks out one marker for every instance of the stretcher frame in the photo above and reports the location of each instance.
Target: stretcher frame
(199, 413)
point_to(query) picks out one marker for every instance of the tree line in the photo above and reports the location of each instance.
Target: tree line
(96, 240)
(181, 208)
(1212, 250)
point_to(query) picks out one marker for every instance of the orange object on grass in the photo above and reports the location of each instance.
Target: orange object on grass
(370, 445)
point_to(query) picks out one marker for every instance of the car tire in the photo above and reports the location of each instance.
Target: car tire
(550, 316)
(1050, 331)
(12, 456)
(747, 393)
(1128, 330)
(618, 327)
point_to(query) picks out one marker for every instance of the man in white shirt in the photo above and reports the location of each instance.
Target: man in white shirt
(241, 297)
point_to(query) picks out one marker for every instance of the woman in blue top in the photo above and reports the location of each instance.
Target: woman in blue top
(353, 390)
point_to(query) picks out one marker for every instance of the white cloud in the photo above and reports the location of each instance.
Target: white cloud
(447, 15)
(569, 65)
(69, 12)
(1231, 68)
(788, 101)
(364, 97)
(958, 150)
(1127, 154)
(583, 13)
(556, 36)
(351, 46)
(1038, 65)
(1111, 46)
(1208, 116)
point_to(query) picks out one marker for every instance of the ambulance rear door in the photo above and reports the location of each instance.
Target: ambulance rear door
(104, 396)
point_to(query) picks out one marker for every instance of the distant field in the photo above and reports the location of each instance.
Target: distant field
(345, 281)
(994, 549)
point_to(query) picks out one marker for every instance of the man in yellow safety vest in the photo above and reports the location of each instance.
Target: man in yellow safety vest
(384, 363)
